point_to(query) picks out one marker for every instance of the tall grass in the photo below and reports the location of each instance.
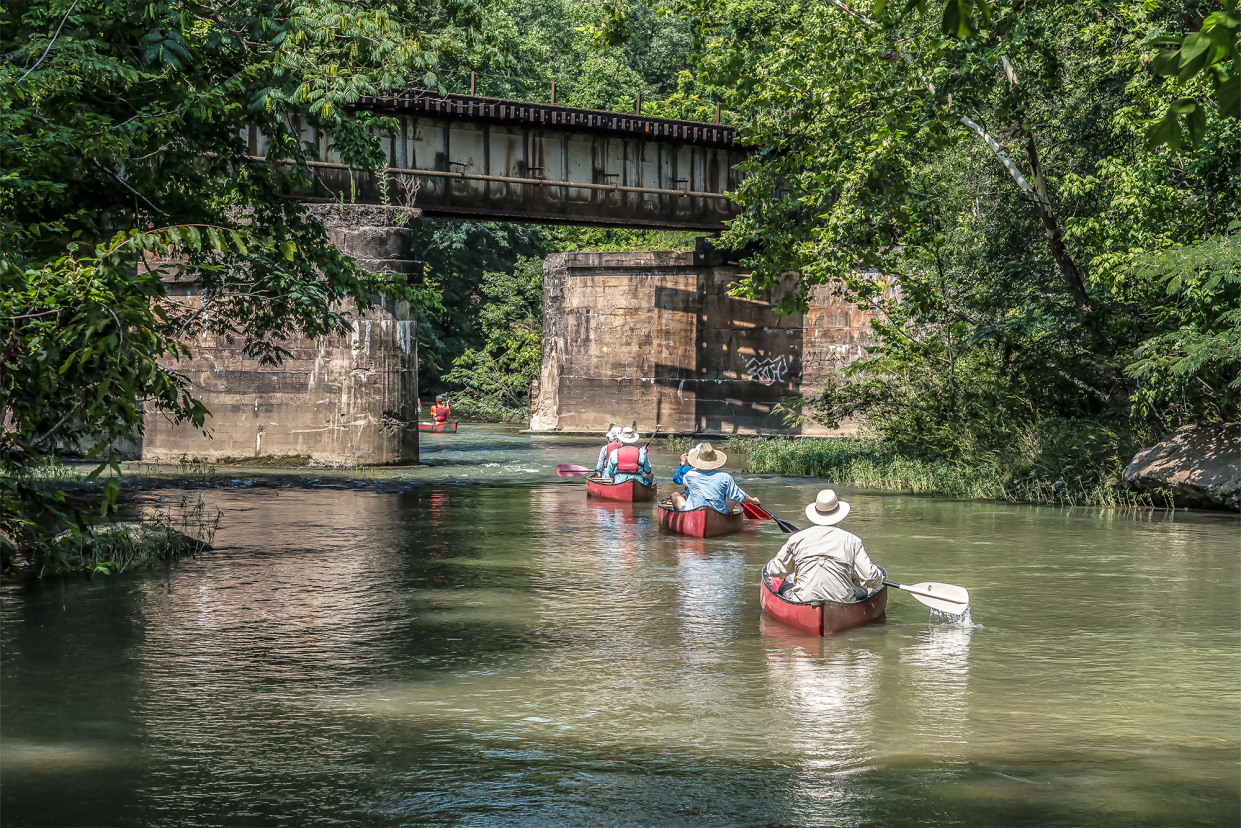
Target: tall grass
(867, 464)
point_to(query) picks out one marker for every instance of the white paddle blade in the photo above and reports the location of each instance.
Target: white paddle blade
(948, 598)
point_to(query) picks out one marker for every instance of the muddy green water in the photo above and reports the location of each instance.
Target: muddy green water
(478, 644)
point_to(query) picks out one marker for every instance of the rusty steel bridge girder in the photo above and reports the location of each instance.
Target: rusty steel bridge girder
(486, 158)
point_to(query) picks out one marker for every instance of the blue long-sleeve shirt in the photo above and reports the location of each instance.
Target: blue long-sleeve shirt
(678, 477)
(711, 488)
(643, 464)
(603, 459)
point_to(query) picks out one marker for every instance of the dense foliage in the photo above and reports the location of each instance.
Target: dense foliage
(122, 138)
(1048, 266)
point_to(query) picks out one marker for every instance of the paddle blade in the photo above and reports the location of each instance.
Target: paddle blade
(948, 598)
(564, 470)
(754, 512)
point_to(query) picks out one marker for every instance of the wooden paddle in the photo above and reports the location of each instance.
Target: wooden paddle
(948, 598)
(565, 470)
(755, 512)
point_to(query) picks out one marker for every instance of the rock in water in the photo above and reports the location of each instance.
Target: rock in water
(1199, 464)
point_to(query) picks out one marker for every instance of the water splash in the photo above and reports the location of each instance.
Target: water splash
(964, 620)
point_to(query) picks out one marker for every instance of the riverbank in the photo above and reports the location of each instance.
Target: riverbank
(866, 464)
(135, 538)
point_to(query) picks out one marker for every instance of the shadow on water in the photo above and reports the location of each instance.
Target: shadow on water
(508, 654)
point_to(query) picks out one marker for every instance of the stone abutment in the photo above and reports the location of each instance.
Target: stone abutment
(337, 399)
(647, 338)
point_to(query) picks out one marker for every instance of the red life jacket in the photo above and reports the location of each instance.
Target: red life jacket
(611, 448)
(627, 460)
(440, 413)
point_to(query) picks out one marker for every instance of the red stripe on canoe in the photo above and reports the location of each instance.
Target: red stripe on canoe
(451, 428)
(820, 617)
(703, 522)
(631, 491)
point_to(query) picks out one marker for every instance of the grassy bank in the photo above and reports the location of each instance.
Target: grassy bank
(868, 465)
(161, 534)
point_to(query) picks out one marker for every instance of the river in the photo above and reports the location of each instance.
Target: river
(476, 643)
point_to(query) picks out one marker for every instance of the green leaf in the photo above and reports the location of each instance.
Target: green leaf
(241, 245)
(217, 241)
(1228, 93)
(1166, 132)
(287, 249)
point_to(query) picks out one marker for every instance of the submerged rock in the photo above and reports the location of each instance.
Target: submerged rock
(1199, 465)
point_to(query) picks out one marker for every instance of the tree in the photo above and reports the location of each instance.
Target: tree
(981, 175)
(122, 136)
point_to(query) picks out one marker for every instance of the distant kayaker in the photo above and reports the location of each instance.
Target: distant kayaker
(628, 461)
(824, 563)
(440, 410)
(610, 445)
(705, 485)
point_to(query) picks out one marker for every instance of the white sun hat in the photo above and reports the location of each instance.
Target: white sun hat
(827, 509)
(628, 435)
(704, 456)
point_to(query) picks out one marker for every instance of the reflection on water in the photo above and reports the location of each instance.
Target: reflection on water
(514, 653)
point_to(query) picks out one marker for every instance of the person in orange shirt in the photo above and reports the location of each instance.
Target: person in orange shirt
(440, 410)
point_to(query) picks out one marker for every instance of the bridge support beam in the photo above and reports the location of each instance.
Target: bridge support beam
(337, 400)
(646, 338)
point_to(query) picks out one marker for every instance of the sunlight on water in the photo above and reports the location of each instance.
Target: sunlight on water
(476, 644)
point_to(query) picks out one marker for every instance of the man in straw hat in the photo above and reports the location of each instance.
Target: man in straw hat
(824, 562)
(705, 485)
(628, 461)
(609, 446)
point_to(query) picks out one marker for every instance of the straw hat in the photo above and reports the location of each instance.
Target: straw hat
(827, 510)
(628, 435)
(703, 456)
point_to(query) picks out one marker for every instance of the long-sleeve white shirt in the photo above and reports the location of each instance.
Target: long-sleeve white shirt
(827, 563)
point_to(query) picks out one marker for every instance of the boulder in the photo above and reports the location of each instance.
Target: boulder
(1200, 465)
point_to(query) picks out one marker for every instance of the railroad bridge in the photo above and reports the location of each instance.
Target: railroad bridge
(702, 362)
(465, 156)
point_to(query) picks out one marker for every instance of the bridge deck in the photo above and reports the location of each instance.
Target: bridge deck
(474, 157)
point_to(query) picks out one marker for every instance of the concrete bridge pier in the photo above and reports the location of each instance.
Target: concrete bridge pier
(655, 337)
(338, 399)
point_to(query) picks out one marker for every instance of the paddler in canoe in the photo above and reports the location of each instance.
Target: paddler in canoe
(441, 410)
(627, 461)
(706, 485)
(610, 445)
(823, 562)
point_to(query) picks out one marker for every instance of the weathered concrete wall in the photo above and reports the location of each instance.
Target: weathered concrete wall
(653, 338)
(338, 399)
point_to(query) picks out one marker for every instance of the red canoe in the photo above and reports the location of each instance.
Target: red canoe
(820, 617)
(630, 491)
(450, 428)
(703, 522)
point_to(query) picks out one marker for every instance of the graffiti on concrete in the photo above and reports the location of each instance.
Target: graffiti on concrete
(768, 370)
